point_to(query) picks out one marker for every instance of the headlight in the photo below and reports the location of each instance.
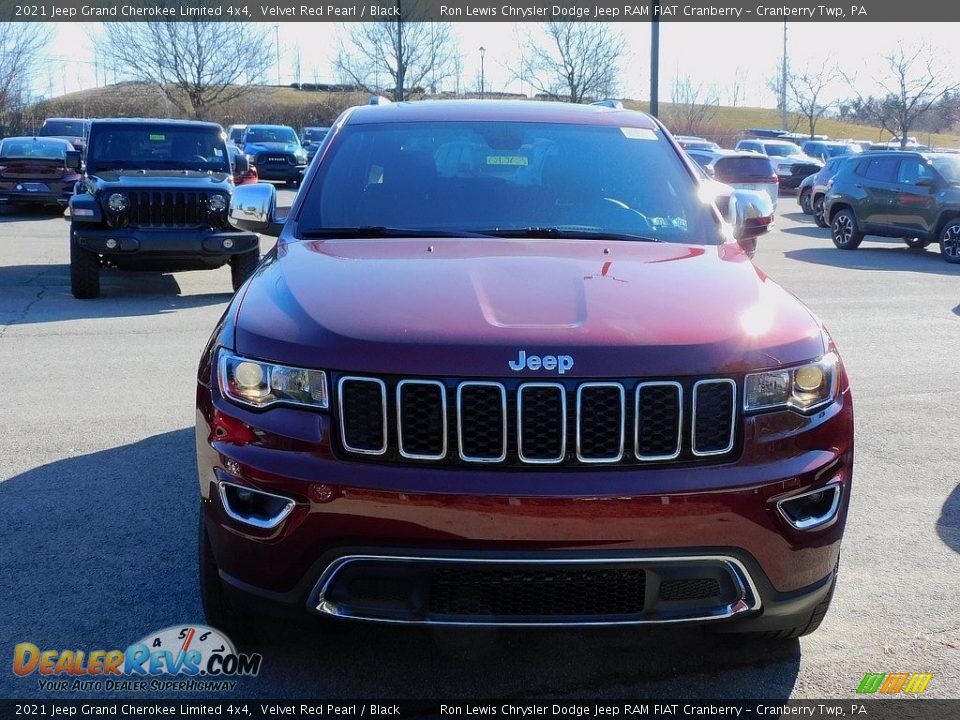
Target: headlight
(301, 155)
(802, 388)
(260, 384)
(117, 202)
(218, 203)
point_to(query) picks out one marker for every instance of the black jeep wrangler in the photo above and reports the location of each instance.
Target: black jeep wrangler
(155, 196)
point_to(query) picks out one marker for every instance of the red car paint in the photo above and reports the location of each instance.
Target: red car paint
(459, 309)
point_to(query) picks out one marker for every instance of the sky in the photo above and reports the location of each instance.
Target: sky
(714, 54)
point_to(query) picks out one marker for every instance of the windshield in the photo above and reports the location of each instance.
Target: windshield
(63, 128)
(315, 133)
(949, 167)
(840, 150)
(156, 147)
(28, 148)
(483, 177)
(236, 134)
(781, 149)
(271, 135)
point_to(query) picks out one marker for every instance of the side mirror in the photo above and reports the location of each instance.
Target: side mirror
(73, 160)
(750, 213)
(241, 164)
(254, 208)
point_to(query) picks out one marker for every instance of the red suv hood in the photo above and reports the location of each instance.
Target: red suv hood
(466, 307)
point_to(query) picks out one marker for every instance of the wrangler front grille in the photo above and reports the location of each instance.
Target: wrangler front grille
(169, 208)
(537, 424)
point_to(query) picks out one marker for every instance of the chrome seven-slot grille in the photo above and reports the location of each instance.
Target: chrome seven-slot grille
(537, 423)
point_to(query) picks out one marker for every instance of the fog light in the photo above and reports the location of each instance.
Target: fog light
(812, 509)
(227, 243)
(111, 244)
(254, 507)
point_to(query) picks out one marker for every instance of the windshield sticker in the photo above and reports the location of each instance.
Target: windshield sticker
(515, 160)
(158, 138)
(638, 133)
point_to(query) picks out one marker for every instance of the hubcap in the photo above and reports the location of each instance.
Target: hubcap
(951, 240)
(818, 209)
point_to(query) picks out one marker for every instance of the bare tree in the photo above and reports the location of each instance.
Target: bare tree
(579, 60)
(737, 91)
(20, 47)
(806, 90)
(413, 54)
(197, 65)
(692, 106)
(913, 82)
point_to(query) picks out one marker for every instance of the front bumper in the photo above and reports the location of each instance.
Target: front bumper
(288, 173)
(652, 518)
(189, 242)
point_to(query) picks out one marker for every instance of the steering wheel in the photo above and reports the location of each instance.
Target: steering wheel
(201, 158)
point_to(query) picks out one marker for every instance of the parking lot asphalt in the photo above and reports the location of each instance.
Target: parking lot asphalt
(98, 496)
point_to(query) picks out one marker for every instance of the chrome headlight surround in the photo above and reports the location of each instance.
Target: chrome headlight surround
(259, 384)
(802, 388)
(117, 202)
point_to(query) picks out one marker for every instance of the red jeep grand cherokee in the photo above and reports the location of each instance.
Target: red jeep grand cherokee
(507, 365)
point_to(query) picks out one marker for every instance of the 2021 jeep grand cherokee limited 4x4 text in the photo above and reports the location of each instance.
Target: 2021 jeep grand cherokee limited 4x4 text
(507, 365)
(155, 196)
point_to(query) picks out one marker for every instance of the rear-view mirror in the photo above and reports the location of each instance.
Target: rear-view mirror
(254, 208)
(750, 213)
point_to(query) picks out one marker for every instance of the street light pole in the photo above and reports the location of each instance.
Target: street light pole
(483, 51)
(276, 30)
(783, 82)
(655, 58)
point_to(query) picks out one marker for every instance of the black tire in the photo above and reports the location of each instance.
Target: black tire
(916, 243)
(844, 230)
(819, 210)
(804, 201)
(242, 267)
(84, 272)
(219, 609)
(950, 241)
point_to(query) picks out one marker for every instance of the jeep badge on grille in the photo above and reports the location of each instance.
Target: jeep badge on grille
(560, 363)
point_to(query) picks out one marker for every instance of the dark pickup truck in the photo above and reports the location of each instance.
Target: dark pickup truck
(155, 196)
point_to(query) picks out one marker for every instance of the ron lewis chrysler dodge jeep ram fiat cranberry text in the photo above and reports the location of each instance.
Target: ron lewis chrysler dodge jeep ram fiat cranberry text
(508, 365)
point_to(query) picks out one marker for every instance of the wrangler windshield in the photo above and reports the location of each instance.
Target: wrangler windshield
(156, 147)
(497, 177)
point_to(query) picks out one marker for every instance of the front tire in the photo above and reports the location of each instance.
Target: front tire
(819, 210)
(242, 267)
(804, 201)
(220, 611)
(950, 241)
(84, 272)
(845, 231)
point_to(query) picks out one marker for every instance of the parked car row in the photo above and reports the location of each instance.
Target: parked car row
(911, 195)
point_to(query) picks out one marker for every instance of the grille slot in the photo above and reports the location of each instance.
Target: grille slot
(482, 422)
(537, 592)
(422, 419)
(714, 411)
(659, 421)
(600, 422)
(542, 422)
(363, 415)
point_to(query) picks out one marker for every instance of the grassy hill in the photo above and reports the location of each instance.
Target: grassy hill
(268, 103)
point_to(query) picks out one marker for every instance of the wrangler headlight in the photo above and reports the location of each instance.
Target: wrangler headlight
(218, 202)
(117, 202)
(260, 384)
(802, 388)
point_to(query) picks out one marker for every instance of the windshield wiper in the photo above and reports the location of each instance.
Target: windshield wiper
(379, 231)
(567, 232)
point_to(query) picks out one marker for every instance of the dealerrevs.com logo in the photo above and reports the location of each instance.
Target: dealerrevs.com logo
(180, 657)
